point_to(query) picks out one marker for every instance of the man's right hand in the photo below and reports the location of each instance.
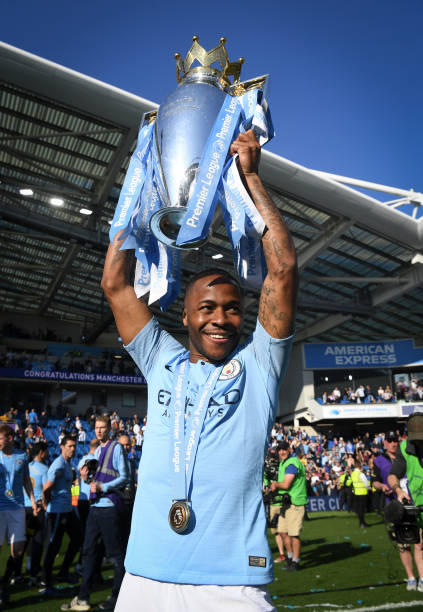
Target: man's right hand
(84, 473)
(402, 496)
(131, 314)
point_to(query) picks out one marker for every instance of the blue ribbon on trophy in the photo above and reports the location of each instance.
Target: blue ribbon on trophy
(180, 171)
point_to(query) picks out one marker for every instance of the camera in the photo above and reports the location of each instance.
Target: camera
(92, 465)
(271, 465)
(403, 522)
(285, 504)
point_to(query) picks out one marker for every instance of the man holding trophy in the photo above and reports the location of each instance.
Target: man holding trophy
(198, 536)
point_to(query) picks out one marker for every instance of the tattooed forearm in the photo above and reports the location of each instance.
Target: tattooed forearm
(117, 256)
(278, 295)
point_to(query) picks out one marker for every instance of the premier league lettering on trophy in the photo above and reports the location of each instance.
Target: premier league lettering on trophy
(181, 170)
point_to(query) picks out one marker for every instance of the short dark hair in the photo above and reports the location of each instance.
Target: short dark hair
(67, 438)
(39, 447)
(284, 445)
(6, 430)
(223, 277)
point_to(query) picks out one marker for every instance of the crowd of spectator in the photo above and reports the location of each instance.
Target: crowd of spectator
(110, 362)
(9, 330)
(410, 393)
(61, 497)
(325, 459)
(32, 427)
(364, 394)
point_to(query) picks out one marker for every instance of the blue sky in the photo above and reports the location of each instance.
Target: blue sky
(346, 76)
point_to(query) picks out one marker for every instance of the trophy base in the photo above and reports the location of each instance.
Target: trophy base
(165, 225)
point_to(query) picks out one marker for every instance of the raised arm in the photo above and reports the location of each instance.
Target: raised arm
(131, 314)
(279, 292)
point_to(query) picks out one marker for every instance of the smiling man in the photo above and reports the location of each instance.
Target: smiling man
(198, 538)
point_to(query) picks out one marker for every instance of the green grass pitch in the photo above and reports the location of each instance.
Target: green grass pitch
(343, 567)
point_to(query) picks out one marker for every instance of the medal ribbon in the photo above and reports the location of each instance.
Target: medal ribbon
(184, 446)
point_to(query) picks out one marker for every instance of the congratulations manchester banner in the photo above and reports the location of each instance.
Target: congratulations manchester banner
(84, 377)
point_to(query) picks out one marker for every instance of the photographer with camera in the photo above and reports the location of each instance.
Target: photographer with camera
(382, 466)
(292, 482)
(87, 467)
(408, 463)
(104, 518)
(273, 500)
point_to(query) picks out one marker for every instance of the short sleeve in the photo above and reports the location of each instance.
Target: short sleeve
(272, 354)
(291, 469)
(54, 472)
(150, 342)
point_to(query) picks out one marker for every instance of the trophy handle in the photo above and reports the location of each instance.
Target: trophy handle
(166, 223)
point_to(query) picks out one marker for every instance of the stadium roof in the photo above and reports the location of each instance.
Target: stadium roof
(67, 138)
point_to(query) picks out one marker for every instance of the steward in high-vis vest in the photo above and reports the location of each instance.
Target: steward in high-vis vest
(361, 487)
(345, 492)
(75, 495)
(291, 479)
(408, 463)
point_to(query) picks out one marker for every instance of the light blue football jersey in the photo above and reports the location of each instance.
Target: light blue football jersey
(60, 472)
(38, 475)
(226, 542)
(13, 469)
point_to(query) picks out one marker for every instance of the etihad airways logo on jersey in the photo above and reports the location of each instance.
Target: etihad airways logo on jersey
(216, 405)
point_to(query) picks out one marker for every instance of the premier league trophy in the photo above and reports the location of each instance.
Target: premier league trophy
(181, 170)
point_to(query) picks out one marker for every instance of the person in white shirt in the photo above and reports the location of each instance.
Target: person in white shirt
(336, 394)
(360, 394)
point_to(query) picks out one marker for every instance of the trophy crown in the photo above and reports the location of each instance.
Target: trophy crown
(207, 58)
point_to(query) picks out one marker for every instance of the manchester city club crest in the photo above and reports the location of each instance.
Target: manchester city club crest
(231, 370)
